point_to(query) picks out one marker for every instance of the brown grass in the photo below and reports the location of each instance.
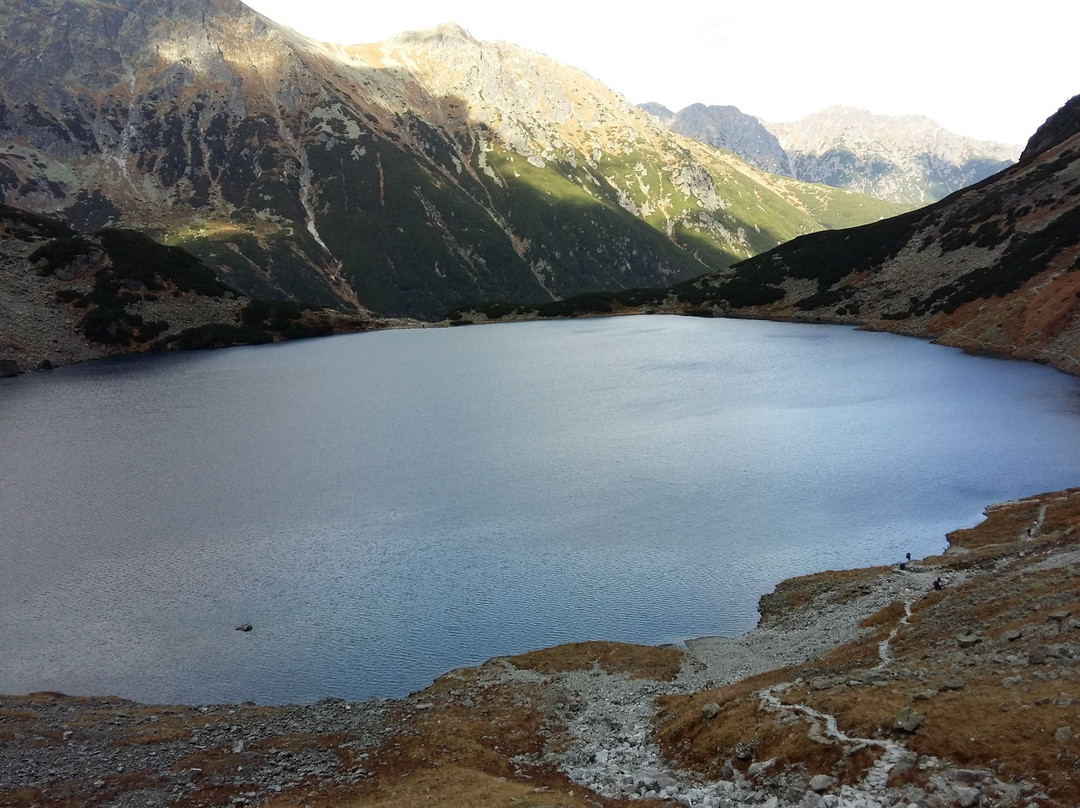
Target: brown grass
(460, 786)
(829, 586)
(637, 661)
(702, 744)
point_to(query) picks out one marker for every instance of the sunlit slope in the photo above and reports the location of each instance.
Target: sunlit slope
(409, 176)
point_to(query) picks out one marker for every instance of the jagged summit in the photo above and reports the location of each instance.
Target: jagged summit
(445, 30)
(908, 159)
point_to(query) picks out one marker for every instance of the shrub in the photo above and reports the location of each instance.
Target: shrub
(59, 252)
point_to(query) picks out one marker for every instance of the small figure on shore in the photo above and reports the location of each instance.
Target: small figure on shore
(939, 584)
(909, 556)
(245, 627)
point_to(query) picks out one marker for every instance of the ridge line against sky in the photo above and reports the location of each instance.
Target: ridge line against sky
(971, 67)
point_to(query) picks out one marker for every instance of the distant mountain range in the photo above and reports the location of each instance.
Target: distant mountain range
(408, 177)
(904, 159)
(994, 268)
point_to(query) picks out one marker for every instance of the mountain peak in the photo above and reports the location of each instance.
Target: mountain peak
(445, 30)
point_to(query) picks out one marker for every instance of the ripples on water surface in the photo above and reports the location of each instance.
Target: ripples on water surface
(384, 507)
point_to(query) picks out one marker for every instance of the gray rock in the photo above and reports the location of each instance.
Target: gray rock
(757, 769)
(1012, 636)
(967, 796)
(710, 710)
(966, 639)
(1063, 734)
(907, 720)
(821, 782)
(971, 776)
(745, 751)
(952, 684)
(1059, 617)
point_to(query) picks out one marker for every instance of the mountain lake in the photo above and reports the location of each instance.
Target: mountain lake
(384, 507)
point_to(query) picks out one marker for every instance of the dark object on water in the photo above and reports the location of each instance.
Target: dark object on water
(245, 627)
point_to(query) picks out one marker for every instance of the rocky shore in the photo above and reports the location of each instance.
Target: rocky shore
(953, 681)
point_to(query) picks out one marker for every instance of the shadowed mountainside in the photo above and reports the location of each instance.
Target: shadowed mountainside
(68, 297)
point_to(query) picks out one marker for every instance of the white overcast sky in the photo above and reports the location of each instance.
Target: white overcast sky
(986, 69)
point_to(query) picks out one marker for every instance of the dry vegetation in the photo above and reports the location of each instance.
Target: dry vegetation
(990, 661)
(636, 661)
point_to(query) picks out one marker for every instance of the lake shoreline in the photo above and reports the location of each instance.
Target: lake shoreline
(578, 722)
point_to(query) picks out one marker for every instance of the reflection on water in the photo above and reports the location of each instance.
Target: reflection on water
(384, 507)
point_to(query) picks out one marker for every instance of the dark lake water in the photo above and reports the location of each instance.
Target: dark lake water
(385, 507)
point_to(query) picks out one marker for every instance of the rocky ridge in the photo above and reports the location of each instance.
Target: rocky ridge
(905, 159)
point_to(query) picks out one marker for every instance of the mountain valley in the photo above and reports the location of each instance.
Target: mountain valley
(190, 174)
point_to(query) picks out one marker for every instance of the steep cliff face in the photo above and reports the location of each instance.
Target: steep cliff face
(409, 176)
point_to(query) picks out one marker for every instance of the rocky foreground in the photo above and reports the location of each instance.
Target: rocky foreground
(953, 681)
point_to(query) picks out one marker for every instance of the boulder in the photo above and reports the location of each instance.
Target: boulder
(758, 769)
(967, 638)
(967, 796)
(710, 710)
(907, 720)
(745, 751)
(1063, 734)
(821, 782)
(971, 776)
